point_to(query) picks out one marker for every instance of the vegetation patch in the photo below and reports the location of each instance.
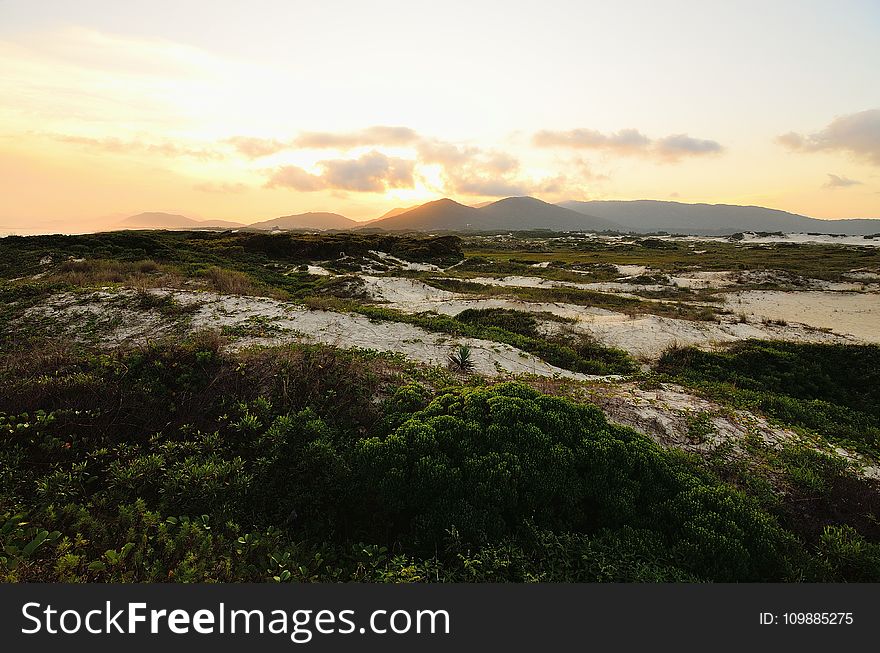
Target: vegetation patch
(830, 389)
(176, 462)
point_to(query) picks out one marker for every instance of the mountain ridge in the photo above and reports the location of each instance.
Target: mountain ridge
(529, 213)
(308, 220)
(161, 220)
(510, 213)
(702, 219)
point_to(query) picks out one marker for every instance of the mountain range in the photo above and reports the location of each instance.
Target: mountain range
(157, 220)
(526, 213)
(713, 219)
(512, 213)
(312, 220)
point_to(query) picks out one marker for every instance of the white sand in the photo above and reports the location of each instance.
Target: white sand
(666, 413)
(822, 239)
(631, 270)
(404, 265)
(318, 270)
(704, 279)
(412, 296)
(645, 336)
(616, 287)
(856, 314)
(290, 322)
(861, 274)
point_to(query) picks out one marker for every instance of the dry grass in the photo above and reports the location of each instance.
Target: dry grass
(233, 282)
(143, 274)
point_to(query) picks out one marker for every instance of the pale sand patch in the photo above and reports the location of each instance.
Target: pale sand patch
(665, 414)
(821, 239)
(290, 322)
(318, 270)
(856, 314)
(413, 296)
(404, 265)
(645, 336)
(400, 289)
(631, 270)
(616, 287)
(704, 279)
(860, 274)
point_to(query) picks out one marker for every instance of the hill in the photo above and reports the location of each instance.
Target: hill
(312, 220)
(439, 215)
(713, 219)
(395, 211)
(517, 213)
(159, 220)
(512, 213)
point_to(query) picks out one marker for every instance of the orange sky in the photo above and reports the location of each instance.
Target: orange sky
(247, 113)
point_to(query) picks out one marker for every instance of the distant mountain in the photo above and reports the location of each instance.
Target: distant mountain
(393, 212)
(440, 215)
(529, 213)
(647, 216)
(512, 213)
(312, 220)
(158, 220)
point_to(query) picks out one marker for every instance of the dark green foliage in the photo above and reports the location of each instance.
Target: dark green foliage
(486, 460)
(521, 322)
(244, 251)
(831, 389)
(180, 463)
(581, 355)
(460, 359)
(815, 261)
(578, 296)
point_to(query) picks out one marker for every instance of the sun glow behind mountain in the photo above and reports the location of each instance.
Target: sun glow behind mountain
(239, 113)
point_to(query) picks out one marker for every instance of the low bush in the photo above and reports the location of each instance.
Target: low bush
(179, 463)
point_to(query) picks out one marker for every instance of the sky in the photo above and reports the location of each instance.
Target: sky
(247, 111)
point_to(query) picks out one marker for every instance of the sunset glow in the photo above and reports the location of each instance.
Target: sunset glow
(245, 111)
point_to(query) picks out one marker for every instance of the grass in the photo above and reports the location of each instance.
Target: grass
(176, 462)
(579, 297)
(814, 261)
(188, 251)
(578, 352)
(831, 390)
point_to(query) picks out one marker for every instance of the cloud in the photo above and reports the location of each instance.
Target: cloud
(373, 172)
(836, 181)
(856, 134)
(114, 145)
(625, 141)
(296, 178)
(254, 148)
(469, 170)
(371, 136)
(629, 142)
(673, 148)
